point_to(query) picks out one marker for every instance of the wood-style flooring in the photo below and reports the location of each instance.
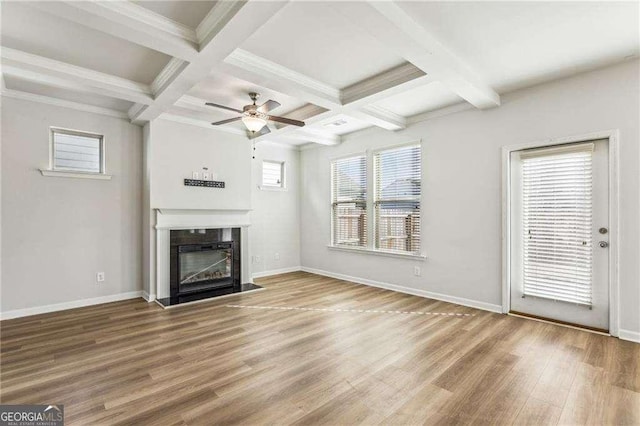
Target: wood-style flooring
(134, 363)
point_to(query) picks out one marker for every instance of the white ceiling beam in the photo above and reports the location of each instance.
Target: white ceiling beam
(17, 94)
(263, 72)
(54, 73)
(230, 24)
(393, 27)
(353, 100)
(319, 138)
(200, 123)
(128, 21)
(379, 117)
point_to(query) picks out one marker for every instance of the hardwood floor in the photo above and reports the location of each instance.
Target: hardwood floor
(134, 363)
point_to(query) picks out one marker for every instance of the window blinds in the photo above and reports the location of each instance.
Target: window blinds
(75, 152)
(397, 176)
(273, 174)
(557, 223)
(348, 197)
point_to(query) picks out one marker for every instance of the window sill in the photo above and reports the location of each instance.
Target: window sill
(271, 188)
(77, 175)
(379, 252)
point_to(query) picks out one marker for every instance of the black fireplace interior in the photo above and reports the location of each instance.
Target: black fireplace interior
(204, 263)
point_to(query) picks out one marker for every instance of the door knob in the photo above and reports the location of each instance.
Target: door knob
(603, 244)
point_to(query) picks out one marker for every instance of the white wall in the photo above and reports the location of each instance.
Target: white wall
(461, 223)
(275, 229)
(58, 232)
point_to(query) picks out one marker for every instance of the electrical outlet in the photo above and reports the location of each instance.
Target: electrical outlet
(416, 271)
(100, 277)
(256, 259)
(276, 256)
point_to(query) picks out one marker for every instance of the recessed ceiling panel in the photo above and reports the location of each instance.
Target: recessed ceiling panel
(422, 99)
(312, 39)
(30, 30)
(68, 95)
(233, 92)
(189, 13)
(516, 44)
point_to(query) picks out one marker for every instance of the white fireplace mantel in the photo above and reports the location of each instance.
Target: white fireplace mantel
(168, 219)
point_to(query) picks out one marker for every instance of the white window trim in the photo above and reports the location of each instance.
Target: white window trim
(51, 172)
(370, 247)
(284, 177)
(378, 252)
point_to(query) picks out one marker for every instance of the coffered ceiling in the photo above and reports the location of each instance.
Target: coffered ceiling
(340, 66)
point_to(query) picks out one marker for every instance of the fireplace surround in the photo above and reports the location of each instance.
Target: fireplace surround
(211, 248)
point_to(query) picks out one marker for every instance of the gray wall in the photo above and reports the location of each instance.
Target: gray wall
(461, 222)
(275, 219)
(58, 232)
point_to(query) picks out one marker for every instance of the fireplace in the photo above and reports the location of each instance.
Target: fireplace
(204, 266)
(203, 263)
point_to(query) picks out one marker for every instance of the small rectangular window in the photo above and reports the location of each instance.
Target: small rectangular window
(349, 201)
(74, 151)
(273, 174)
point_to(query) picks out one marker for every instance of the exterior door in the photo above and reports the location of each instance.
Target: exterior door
(559, 220)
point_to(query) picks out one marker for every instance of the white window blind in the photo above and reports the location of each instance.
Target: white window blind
(397, 178)
(557, 223)
(273, 174)
(77, 151)
(349, 201)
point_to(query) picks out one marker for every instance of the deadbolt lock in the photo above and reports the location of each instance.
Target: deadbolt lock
(603, 244)
(603, 230)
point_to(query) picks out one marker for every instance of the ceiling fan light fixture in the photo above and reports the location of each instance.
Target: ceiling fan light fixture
(253, 123)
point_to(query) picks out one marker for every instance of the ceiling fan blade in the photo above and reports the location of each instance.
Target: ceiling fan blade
(268, 106)
(230, 120)
(285, 120)
(263, 131)
(223, 107)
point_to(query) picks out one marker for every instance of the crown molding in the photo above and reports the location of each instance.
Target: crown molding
(55, 73)
(32, 97)
(380, 117)
(440, 112)
(170, 71)
(256, 64)
(216, 19)
(128, 21)
(193, 103)
(130, 10)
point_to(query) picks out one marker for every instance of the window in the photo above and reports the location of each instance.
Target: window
(78, 152)
(397, 180)
(273, 174)
(392, 202)
(349, 201)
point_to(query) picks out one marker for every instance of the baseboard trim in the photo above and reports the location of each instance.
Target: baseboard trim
(632, 336)
(148, 297)
(276, 272)
(19, 313)
(408, 290)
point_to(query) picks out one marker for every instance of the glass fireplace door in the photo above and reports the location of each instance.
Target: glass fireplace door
(203, 267)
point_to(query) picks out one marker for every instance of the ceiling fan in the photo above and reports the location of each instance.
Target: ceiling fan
(255, 117)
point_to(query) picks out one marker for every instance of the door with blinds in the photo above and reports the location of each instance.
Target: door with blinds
(559, 224)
